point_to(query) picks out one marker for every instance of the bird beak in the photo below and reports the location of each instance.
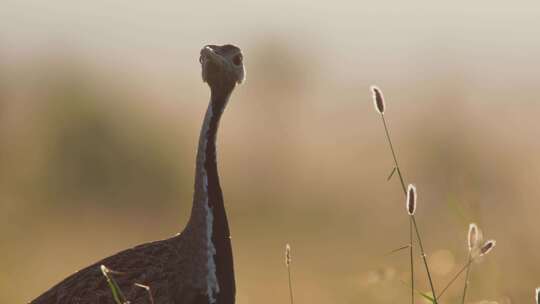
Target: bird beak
(211, 55)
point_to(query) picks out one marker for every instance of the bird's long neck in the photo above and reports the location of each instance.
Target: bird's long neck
(208, 220)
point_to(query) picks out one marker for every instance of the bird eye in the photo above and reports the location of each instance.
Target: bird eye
(237, 60)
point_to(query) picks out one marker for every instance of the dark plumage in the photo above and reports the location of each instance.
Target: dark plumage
(196, 266)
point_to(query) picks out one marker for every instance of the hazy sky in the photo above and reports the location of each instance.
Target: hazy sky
(493, 41)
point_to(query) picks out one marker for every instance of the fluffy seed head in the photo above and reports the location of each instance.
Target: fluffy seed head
(411, 199)
(378, 99)
(287, 255)
(473, 236)
(104, 270)
(488, 246)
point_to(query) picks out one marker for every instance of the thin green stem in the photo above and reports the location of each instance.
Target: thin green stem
(422, 252)
(117, 294)
(396, 165)
(290, 283)
(411, 255)
(466, 266)
(466, 280)
(402, 181)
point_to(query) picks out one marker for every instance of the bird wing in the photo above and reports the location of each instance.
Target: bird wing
(157, 265)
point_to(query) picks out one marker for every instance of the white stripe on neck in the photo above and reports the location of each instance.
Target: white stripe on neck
(212, 285)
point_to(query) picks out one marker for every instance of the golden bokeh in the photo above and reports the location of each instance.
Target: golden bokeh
(101, 104)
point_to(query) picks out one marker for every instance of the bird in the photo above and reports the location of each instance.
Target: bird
(194, 266)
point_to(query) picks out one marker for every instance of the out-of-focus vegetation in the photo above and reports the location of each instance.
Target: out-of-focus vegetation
(97, 145)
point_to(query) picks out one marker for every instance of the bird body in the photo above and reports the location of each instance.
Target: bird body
(195, 266)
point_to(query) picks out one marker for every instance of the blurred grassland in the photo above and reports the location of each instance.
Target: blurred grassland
(89, 168)
(97, 157)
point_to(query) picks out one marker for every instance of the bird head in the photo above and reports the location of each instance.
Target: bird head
(222, 66)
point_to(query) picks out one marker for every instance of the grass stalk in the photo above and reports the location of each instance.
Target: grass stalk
(466, 285)
(411, 255)
(288, 261)
(115, 289)
(148, 290)
(290, 284)
(412, 221)
(423, 253)
(485, 249)
(466, 266)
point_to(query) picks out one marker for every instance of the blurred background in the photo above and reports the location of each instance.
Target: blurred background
(101, 104)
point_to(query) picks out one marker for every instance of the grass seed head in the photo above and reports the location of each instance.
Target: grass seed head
(288, 255)
(411, 199)
(104, 270)
(473, 236)
(378, 99)
(488, 246)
